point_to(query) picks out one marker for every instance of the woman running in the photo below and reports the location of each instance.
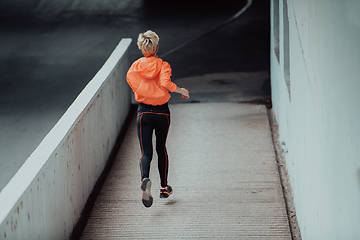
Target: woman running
(149, 78)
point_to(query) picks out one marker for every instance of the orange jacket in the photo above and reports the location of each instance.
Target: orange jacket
(149, 78)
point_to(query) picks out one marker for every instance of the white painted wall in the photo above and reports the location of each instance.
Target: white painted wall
(319, 115)
(46, 196)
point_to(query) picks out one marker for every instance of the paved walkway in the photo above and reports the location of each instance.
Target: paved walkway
(46, 62)
(223, 172)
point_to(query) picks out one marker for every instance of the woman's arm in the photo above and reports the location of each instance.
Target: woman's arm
(184, 92)
(166, 82)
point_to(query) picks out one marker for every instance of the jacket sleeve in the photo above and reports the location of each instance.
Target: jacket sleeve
(132, 78)
(165, 80)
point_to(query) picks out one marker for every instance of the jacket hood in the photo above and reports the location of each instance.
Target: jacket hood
(149, 67)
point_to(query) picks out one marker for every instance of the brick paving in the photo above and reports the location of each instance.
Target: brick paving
(223, 172)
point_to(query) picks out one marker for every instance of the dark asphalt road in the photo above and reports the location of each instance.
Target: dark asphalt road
(49, 50)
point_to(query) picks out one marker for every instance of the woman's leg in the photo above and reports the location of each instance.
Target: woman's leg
(145, 131)
(161, 131)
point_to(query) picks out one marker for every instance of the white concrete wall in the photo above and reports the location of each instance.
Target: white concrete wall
(46, 196)
(319, 114)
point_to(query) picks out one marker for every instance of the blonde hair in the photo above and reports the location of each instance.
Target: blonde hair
(148, 43)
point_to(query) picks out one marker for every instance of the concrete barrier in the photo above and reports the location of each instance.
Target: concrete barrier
(315, 98)
(45, 198)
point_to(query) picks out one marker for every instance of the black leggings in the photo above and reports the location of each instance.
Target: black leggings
(150, 118)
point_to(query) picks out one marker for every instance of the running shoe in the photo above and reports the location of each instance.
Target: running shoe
(147, 199)
(166, 192)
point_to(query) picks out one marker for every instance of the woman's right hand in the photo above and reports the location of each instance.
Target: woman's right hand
(183, 91)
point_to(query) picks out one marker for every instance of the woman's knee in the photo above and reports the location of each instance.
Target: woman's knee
(147, 157)
(161, 150)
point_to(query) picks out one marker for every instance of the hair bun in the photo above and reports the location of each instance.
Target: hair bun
(148, 42)
(145, 36)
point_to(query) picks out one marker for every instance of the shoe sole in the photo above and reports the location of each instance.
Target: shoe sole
(147, 199)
